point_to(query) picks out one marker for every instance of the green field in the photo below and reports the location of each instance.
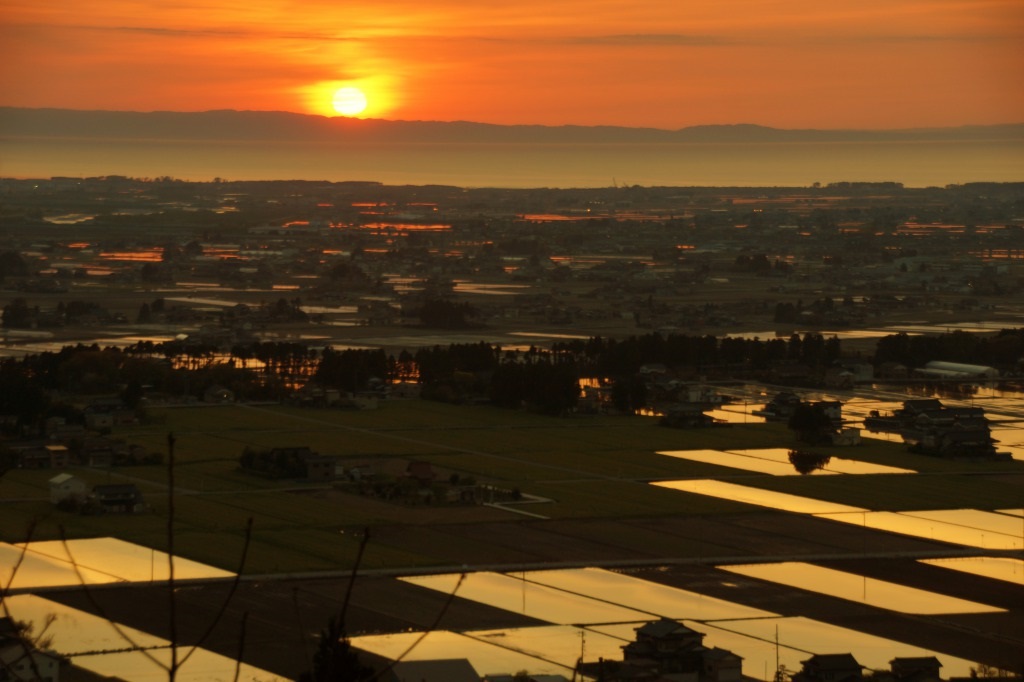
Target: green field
(588, 468)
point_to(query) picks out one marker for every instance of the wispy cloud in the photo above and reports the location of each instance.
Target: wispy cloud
(660, 62)
(651, 39)
(619, 39)
(242, 33)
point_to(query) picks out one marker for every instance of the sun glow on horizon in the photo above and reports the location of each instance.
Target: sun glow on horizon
(349, 101)
(370, 97)
(529, 63)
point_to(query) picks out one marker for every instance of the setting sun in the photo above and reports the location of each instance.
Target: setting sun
(349, 101)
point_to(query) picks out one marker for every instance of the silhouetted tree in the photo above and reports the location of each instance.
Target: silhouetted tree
(812, 423)
(12, 265)
(17, 314)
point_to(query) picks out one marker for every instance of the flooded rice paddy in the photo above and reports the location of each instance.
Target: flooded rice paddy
(551, 650)
(96, 644)
(1004, 408)
(93, 561)
(581, 601)
(968, 527)
(651, 598)
(757, 496)
(592, 612)
(517, 594)
(813, 636)
(931, 526)
(93, 642)
(852, 587)
(1007, 569)
(789, 640)
(776, 462)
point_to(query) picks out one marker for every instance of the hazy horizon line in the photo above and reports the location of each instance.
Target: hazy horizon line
(736, 125)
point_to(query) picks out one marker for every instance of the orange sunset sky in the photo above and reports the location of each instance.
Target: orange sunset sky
(656, 63)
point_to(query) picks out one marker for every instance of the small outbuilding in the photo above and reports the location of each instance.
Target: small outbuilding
(67, 487)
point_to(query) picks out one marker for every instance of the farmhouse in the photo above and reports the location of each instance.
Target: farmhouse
(830, 668)
(914, 669)
(319, 467)
(118, 498)
(421, 471)
(43, 456)
(666, 648)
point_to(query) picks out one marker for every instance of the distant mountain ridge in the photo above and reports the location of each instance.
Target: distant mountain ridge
(275, 126)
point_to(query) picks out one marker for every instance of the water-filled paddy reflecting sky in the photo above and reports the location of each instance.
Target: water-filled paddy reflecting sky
(756, 635)
(98, 560)
(76, 631)
(1007, 569)
(853, 587)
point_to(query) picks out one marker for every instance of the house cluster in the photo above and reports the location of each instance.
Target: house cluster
(668, 651)
(595, 253)
(845, 668)
(59, 442)
(418, 482)
(74, 494)
(394, 479)
(785, 404)
(818, 422)
(84, 448)
(929, 427)
(312, 394)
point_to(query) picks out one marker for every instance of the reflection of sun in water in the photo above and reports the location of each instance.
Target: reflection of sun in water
(349, 101)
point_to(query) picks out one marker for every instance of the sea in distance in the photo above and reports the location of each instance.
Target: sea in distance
(919, 163)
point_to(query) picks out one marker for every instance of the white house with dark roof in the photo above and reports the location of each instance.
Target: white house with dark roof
(67, 486)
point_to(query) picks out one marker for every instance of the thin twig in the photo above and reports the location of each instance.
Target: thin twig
(227, 600)
(431, 628)
(98, 608)
(352, 579)
(25, 645)
(17, 564)
(302, 629)
(172, 598)
(241, 646)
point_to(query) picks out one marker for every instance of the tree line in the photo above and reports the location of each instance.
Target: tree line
(1003, 350)
(545, 380)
